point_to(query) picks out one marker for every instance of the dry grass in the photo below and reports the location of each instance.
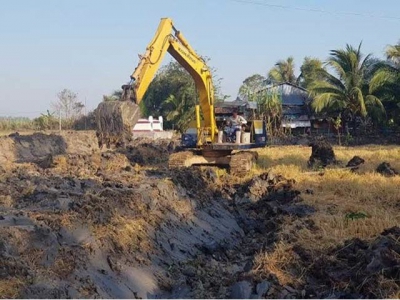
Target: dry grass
(278, 262)
(6, 201)
(22, 132)
(126, 234)
(10, 288)
(338, 192)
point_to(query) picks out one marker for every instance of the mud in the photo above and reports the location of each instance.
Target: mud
(355, 163)
(115, 121)
(144, 151)
(39, 146)
(322, 154)
(119, 224)
(386, 170)
(108, 236)
(356, 269)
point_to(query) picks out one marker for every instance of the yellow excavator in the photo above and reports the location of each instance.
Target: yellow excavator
(116, 119)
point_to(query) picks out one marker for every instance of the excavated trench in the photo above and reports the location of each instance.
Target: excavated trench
(92, 224)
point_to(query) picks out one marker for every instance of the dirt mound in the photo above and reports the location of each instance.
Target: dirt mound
(267, 186)
(386, 170)
(88, 227)
(39, 147)
(322, 154)
(150, 152)
(97, 164)
(118, 224)
(355, 162)
(358, 268)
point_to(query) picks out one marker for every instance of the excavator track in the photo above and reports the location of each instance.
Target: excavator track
(180, 159)
(242, 162)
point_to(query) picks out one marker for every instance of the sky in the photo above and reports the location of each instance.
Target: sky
(91, 46)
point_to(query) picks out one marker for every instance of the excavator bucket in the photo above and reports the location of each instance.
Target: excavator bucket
(115, 121)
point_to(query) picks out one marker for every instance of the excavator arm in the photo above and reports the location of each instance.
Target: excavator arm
(167, 39)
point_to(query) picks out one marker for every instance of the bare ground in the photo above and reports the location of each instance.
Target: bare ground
(77, 222)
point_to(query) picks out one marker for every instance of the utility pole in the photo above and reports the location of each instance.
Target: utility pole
(85, 114)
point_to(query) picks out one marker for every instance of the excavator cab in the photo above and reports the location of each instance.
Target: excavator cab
(116, 119)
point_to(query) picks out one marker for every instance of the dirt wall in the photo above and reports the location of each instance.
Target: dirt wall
(28, 148)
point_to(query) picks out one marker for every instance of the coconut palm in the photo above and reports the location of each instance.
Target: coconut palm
(386, 82)
(310, 72)
(393, 54)
(180, 110)
(283, 71)
(348, 91)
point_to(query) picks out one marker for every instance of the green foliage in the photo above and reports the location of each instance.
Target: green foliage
(180, 111)
(269, 104)
(356, 216)
(348, 91)
(386, 83)
(269, 108)
(15, 123)
(337, 123)
(348, 138)
(251, 85)
(46, 121)
(311, 71)
(283, 72)
(173, 95)
(393, 53)
(87, 122)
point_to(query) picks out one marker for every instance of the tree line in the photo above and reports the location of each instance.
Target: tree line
(348, 85)
(66, 112)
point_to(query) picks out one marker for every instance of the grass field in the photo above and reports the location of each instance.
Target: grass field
(348, 204)
(339, 192)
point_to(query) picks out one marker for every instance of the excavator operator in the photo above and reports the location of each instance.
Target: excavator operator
(235, 122)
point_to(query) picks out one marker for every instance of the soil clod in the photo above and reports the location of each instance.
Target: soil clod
(355, 163)
(322, 154)
(386, 170)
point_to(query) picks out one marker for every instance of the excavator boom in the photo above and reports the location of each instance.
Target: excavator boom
(115, 119)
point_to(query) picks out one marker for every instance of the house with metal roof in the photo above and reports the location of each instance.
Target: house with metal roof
(295, 104)
(242, 106)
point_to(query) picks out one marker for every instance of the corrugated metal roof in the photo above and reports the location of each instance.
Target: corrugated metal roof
(237, 103)
(290, 93)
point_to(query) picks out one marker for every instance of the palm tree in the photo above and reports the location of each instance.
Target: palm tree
(310, 72)
(348, 91)
(270, 109)
(393, 53)
(180, 110)
(283, 71)
(386, 82)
